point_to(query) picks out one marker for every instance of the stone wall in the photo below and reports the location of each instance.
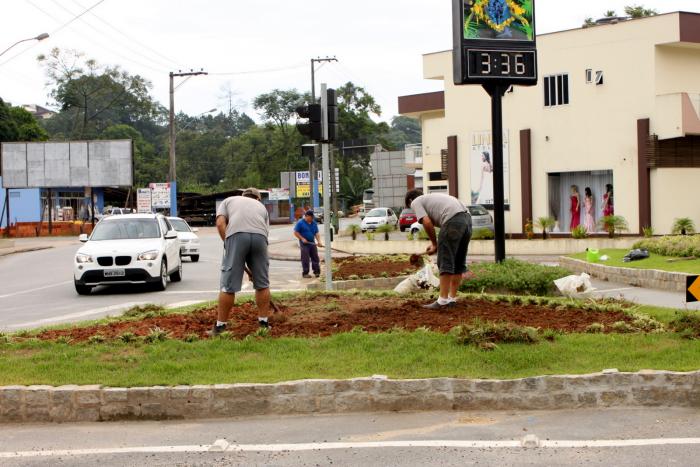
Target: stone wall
(649, 278)
(95, 403)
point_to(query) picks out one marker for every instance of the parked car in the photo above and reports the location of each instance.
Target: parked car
(407, 218)
(377, 217)
(319, 214)
(481, 219)
(128, 249)
(189, 241)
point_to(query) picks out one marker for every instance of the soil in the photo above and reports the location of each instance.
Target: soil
(325, 315)
(358, 267)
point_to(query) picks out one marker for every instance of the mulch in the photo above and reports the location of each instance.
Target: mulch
(359, 267)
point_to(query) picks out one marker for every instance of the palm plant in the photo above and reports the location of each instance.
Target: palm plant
(612, 224)
(386, 229)
(545, 224)
(683, 226)
(354, 229)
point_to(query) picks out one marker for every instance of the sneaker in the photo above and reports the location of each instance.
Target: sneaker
(436, 306)
(306, 276)
(217, 330)
(317, 274)
(263, 322)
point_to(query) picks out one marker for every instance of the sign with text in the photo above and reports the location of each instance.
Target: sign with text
(481, 168)
(160, 195)
(144, 203)
(494, 42)
(279, 194)
(692, 293)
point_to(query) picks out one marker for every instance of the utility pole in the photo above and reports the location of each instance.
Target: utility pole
(172, 174)
(313, 183)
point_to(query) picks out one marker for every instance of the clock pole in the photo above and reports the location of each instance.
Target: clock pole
(496, 91)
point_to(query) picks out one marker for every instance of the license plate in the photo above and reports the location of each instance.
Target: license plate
(115, 273)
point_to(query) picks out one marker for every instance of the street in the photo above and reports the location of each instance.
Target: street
(625, 437)
(36, 288)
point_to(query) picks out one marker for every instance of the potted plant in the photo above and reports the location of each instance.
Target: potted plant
(613, 224)
(386, 229)
(683, 226)
(354, 229)
(545, 223)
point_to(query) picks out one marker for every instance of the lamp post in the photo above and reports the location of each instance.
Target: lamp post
(40, 38)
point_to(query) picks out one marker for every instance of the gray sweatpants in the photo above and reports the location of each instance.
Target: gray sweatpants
(243, 249)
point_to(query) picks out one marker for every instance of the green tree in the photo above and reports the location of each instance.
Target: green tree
(404, 130)
(610, 14)
(16, 124)
(638, 11)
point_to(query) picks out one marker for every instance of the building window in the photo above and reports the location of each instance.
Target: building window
(599, 80)
(589, 76)
(556, 90)
(437, 176)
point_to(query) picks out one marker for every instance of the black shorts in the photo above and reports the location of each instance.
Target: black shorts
(453, 243)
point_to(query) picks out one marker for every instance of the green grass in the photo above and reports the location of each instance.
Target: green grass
(653, 262)
(419, 354)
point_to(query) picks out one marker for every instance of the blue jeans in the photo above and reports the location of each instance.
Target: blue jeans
(309, 252)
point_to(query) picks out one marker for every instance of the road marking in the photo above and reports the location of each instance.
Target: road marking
(75, 316)
(183, 304)
(35, 290)
(224, 446)
(599, 291)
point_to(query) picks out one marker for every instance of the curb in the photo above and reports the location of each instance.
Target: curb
(649, 278)
(610, 388)
(24, 250)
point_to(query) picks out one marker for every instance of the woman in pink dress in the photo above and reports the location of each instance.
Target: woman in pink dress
(589, 221)
(575, 208)
(608, 204)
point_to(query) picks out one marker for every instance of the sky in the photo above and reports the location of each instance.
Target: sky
(251, 46)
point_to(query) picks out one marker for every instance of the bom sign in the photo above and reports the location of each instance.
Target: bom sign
(494, 42)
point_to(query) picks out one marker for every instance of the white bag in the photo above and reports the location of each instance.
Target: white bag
(426, 278)
(573, 285)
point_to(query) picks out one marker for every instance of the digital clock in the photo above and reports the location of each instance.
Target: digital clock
(501, 64)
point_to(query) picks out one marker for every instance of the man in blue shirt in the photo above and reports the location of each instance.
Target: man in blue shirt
(306, 230)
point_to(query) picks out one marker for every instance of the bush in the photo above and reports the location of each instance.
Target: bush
(595, 328)
(683, 226)
(515, 277)
(648, 232)
(579, 232)
(482, 334)
(682, 246)
(483, 234)
(687, 325)
(156, 335)
(145, 311)
(128, 337)
(613, 224)
(545, 224)
(97, 339)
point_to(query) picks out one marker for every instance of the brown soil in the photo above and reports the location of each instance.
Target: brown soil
(364, 267)
(329, 314)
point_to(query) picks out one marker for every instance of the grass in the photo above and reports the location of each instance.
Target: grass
(420, 354)
(653, 262)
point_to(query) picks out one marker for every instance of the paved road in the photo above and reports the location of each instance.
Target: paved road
(36, 288)
(624, 437)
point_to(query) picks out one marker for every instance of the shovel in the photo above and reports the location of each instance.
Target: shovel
(273, 305)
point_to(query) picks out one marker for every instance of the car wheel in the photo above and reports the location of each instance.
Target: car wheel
(402, 229)
(177, 275)
(83, 289)
(194, 258)
(162, 283)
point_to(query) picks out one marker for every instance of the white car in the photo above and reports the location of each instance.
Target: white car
(128, 249)
(189, 241)
(377, 217)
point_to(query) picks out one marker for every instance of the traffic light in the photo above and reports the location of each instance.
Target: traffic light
(313, 129)
(332, 115)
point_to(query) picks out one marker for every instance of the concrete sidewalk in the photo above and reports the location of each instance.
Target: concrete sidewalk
(23, 245)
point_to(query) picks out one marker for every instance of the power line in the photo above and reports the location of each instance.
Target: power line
(64, 25)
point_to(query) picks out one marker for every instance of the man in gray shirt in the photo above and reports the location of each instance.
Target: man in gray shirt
(243, 224)
(447, 213)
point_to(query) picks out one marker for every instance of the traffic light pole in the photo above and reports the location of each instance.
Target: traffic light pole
(496, 91)
(327, 190)
(313, 182)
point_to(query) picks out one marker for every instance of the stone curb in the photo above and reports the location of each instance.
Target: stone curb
(377, 283)
(378, 393)
(649, 278)
(14, 251)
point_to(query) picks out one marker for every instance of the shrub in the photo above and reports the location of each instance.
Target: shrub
(353, 230)
(191, 338)
(682, 246)
(353, 277)
(156, 335)
(96, 339)
(648, 232)
(145, 311)
(480, 332)
(483, 234)
(515, 277)
(5, 339)
(613, 224)
(683, 226)
(410, 236)
(579, 232)
(622, 327)
(386, 229)
(262, 332)
(687, 325)
(369, 235)
(595, 328)
(545, 224)
(128, 337)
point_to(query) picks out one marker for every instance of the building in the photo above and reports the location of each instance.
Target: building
(616, 104)
(39, 112)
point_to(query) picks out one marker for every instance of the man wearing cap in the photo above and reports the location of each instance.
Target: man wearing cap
(306, 231)
(243, 224)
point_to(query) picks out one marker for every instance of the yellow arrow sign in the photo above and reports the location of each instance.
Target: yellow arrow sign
(693, 292)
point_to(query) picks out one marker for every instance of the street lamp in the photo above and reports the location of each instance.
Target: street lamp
(196, 116)
(40, 37)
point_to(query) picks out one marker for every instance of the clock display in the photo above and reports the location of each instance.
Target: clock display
(501, 64)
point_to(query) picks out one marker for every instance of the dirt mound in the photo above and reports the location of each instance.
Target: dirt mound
(364, 267)
(329, 314)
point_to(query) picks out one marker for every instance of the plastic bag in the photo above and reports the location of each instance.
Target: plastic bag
(573, 285)
(636, 255)
(426, 278)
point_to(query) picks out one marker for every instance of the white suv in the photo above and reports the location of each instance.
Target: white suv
(128, 249)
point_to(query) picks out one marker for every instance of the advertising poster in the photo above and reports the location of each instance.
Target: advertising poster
(279, 194)
(481, 169)
(499, 19)
(144, 201)
(160, 195)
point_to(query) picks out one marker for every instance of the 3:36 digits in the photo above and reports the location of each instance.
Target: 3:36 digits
(508, 63)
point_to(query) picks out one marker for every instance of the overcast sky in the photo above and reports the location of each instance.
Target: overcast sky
(378, 43)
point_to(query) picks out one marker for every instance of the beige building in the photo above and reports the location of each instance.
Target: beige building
(616, 104)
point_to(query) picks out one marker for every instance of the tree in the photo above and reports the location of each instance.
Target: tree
(638, 11)
(404, 130)
(149, 164)
(278, 106)
(588, 22)
(16, 124)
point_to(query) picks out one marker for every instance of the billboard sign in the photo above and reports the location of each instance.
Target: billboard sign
(144, 204)
(481, 169)
(74, 164)
(160, 193)
(279, 194)
(494, 42)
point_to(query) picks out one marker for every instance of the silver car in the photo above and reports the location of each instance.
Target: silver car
(481, 219)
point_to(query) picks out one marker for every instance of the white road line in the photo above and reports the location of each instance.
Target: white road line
(75, 316)
(183, 304)
(223, 446)
(599, 291)
(35, 290)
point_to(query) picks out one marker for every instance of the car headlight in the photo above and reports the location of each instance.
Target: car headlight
(82, 258)
(148, 255)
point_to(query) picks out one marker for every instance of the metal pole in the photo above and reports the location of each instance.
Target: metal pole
(313, 187)
(496, 92)
(173, 163)
(50, 204)
(334, 194)
(7, 204)
(327, 190)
